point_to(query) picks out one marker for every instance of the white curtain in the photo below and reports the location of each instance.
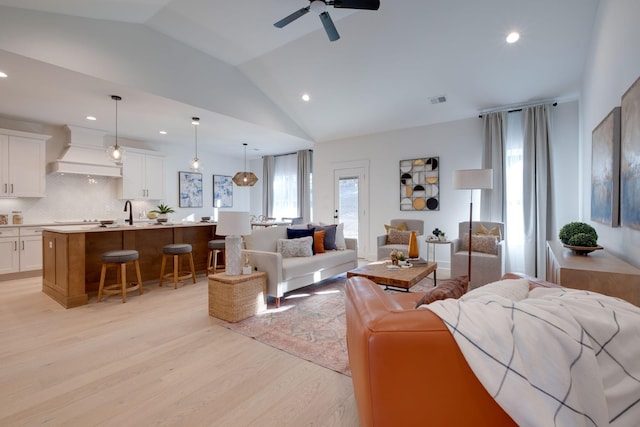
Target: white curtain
(492, 201)
(517, 149)
(536, 188)
(285, 187)
(514, 214)
(268, 171)
(305, 167)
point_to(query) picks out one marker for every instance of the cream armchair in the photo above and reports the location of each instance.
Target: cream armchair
(385, 248)
(487, 259)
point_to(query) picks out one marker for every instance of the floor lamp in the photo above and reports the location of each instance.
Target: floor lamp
(233, 225)
(472, 179)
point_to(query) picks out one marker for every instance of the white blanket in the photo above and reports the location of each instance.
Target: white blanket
(557, 358)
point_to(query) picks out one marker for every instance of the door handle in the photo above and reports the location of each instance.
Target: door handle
(15, 246)
(22, 245)
(11, 188)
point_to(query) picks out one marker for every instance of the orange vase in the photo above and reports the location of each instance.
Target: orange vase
(413, 246)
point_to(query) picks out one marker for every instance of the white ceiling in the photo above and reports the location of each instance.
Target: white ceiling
(378, 77)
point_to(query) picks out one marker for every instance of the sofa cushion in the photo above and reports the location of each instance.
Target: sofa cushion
(329, 236)
(402, 227)
(265, 239)
(398, 237)
(480, 243)
(318, 241)
(299, 247)
(293, 268)
(296, 233)
(513, 289)
(450, 288)
(495, 231)
(340, 242)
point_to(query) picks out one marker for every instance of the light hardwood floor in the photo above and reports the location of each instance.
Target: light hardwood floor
(159, 359)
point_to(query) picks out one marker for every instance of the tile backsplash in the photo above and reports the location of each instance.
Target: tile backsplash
(74, 197)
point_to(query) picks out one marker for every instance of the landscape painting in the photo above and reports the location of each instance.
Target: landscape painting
(605, 170)
(630, 158)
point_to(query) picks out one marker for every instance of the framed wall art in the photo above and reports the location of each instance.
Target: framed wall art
(420, 184)
(222, 191)
(190, 184)
(630, 157)
(605, 170)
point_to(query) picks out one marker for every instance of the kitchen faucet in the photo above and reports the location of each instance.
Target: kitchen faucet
(130, 220)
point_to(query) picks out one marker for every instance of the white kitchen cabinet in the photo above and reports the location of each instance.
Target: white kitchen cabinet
(30, 246)
(9, 253)
(142, 176)
(22, 164)
(20, 249)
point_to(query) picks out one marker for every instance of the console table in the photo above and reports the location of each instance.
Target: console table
(598, 271)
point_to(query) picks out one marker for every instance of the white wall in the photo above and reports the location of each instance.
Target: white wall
(74, 197)
(613, 65)
(459, 146)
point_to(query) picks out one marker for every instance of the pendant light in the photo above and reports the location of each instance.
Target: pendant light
(195, 162)
(245, 179)
(115, 152)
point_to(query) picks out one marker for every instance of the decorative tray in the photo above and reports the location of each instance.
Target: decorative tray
(583, 250)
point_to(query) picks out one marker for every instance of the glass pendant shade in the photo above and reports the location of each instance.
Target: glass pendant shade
(244, 178)
(195, 165)
(115, 152)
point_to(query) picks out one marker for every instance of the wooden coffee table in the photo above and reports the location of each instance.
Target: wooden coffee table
(403, 278)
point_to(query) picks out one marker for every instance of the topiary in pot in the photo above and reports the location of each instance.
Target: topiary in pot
(568, 231)
(583, 239)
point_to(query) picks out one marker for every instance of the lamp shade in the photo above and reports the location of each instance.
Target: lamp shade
(233, 223)
(245, 179)
(473, 179)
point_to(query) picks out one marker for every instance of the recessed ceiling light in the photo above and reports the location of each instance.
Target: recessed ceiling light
(163, 132)
(3, 75)
(306, 97)
(90, 118)
(513, 37)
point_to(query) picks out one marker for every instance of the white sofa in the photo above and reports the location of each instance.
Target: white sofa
(287, 274)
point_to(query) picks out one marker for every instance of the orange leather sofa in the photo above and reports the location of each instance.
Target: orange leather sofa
(406, 367)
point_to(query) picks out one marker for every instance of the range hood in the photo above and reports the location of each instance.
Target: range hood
(85, 154)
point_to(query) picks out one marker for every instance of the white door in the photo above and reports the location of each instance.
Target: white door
(351, 201)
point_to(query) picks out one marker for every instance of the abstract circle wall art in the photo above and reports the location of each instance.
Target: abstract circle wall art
(420, 184)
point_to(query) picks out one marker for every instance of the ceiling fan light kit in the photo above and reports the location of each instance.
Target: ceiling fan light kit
(320, 6)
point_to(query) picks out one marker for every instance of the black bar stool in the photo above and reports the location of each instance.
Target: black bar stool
(175, 250)
(119, 258)
(216, 247)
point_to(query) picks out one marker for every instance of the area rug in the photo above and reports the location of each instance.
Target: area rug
(309, 324)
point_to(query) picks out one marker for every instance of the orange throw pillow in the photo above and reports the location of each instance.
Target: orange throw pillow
(318, 241)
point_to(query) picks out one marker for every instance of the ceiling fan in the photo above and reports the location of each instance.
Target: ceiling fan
(320, 6)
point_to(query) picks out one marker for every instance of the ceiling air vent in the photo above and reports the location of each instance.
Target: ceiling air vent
(438, 99)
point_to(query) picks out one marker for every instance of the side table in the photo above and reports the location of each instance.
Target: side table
(235, 298)
(431, 247)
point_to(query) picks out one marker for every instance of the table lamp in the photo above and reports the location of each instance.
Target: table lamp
(233, 225)
(472, 179)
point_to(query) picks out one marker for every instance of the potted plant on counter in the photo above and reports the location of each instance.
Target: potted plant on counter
(163, 212)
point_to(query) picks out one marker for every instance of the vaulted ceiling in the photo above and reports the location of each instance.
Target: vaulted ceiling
(379, 76)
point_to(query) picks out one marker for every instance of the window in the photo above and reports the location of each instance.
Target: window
(285, 186)
(514, 170)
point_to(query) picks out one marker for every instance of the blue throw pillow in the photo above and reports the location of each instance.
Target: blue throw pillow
(296, 233)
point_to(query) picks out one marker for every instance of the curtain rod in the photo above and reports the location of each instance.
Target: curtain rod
(288, 154)
(515, 108)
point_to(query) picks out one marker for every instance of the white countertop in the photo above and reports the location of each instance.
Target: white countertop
(96, 228)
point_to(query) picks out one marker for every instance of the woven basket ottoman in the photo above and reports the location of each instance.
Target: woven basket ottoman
(235, 298)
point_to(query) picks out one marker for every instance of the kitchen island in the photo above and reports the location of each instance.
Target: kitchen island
(72, 254)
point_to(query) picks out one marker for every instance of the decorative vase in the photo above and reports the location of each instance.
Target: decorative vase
(413, 246)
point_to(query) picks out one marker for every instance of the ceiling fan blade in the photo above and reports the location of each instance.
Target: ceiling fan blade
(289, 19)
(329, 27)
(357, 4)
